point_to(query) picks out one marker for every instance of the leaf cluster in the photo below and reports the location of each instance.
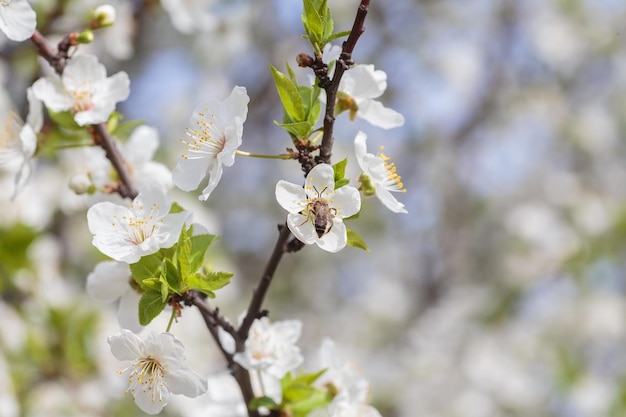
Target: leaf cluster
(171, 272)
(300, 396)
(301, 105)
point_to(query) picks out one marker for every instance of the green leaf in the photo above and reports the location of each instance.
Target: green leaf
(183, 253)
(172, 279)
(340, 183)
(337, 36)
(199, 245)
(262, 402)
(340, 170)
(209, 282)
(317, 399)
(147, 267)
(299, 130)
(309, 378)
(289, 96)
(355, 240)
(150, 306)
(324, 12)
(313, 23)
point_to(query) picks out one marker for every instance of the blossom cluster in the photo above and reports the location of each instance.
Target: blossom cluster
(81, 101)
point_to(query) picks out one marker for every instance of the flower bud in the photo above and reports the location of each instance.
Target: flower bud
(86, 36)
(104, 16)
(80, 183)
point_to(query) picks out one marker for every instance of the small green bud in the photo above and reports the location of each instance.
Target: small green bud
(86, 36)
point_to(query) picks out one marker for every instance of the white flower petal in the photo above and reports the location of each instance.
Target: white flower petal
(189, 173)
(50, 90)
(128, 311)
(347, 201)
(288, 330)
(170, 230)
(141, 145)
(35, 110)
(335, 239)
(17, 20)
(302, 228)
(290, 196)
(215, 174)
(186, 381)
(82, 70)
(144, 400)
(126, 345)
(113, 89)
(108, 281)
(378, 115)
(235, 105)
(389, 200)
(368, 82)
(360, 149)
(320, 182)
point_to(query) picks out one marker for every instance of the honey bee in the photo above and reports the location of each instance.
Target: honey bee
(321, 214)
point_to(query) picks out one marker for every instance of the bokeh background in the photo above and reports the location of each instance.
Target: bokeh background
(500, 293)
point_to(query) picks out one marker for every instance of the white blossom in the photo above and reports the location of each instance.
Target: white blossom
(157, 369)
(358, 89)
(18, 142)
(316, 211)
(17, 19)
(214, 138)
(84, 89)
(381, 172)
(352, 399)
(126, 233)
(271, 348)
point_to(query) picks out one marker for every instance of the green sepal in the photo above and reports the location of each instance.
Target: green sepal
(264, 401)
(176, 208)
(207, 283)
(150, 306)
(355, 240)
(289, 96)
(64, 119)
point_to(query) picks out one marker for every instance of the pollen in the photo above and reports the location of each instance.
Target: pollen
(206, 139)
(393, 181)
(145, 377)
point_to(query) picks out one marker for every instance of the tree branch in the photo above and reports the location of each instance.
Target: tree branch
(343, 63)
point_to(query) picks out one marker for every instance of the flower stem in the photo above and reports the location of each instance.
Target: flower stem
(169, 324)
(258, 155)
(260, 376)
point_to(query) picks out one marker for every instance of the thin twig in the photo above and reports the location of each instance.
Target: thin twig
(254, 309)
(343, 63)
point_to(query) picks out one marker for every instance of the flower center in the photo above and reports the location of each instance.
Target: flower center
(205, 139)
(393, 181)
(83, 98)
(146, 375)
(140, 226)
